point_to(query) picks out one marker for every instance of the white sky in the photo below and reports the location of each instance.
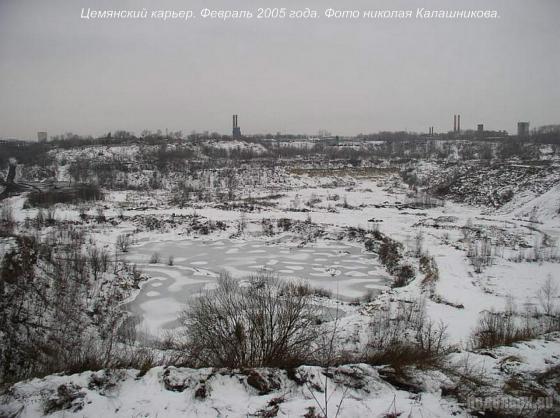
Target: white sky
(61, 73)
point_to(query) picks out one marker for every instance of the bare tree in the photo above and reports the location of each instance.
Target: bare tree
(123, 242)
(547, 295)
(418, 241)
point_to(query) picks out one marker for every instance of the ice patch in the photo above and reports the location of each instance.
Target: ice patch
(292, 267)
(356, 274)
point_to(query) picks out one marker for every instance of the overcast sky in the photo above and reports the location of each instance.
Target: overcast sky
(61, 73)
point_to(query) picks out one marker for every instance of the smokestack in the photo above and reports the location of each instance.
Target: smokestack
(459, 123)
(233, 121)
(454, 123)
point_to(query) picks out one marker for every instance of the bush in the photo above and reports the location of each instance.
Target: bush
(60, 306)
(285, 224)
(7, 220)
(267, 227)
(123, 242)
(390, 253)
(267, 323)
(77, 194)
(100, 215)
(429, 268)
(405, 337)
(480, 254)
(403, 275)
(501, 328)
(509, 326)
(154, 259)
(370, 244)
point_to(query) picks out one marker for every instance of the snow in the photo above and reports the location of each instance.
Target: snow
(355, 390)
(330, 202)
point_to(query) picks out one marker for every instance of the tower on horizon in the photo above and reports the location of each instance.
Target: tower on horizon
(236, 132)
(457, 123)
(522, 128)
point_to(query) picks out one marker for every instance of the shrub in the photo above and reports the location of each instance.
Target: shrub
(303, 289)
(547, 295)
(405, 337)
(123, 242)
(267, 227)
(480, 254)
(50, 218)
(266, 323)
(7, 214)
(284, 224)
(58, 317)
(154, 259)
(7, 220)
(403, 275)
(100, 215)
(77, 194)
(500, 328)
(429, 268)
(509, 326)
(390, 253)
(370, 244)
(313, 200)
(39, 218)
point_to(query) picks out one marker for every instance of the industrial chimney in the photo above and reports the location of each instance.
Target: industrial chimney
(236, 132)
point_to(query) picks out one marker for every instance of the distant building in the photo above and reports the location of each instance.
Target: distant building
(41, 137)
(14, 142)
(331, 141)
(480, 130)
(236, 133)
(522, 128)
(548, 129)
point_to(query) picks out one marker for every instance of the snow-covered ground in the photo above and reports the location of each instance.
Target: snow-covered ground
(326, 207)
(346, 391)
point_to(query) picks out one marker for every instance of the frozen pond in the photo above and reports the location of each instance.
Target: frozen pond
(344, 270)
